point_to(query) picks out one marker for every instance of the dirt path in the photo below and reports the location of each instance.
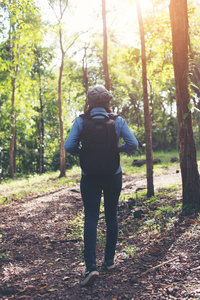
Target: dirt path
(39, 259)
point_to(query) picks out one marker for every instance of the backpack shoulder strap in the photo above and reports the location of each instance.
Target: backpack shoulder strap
(100, 114)
(85, 116)
(112, 116)
(88, 116)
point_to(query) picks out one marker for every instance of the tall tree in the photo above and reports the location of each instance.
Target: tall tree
(41, 124)
(39, 74)
(147, 117)
(187, 147)
(105, 48)
(21, 17)
(14, 48)
(63, 4)
(62, 8)
(62, 151)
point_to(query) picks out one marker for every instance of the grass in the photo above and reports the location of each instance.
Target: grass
(165, 158)
(37, 184)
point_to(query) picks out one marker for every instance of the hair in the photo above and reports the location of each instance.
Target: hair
(88, 109)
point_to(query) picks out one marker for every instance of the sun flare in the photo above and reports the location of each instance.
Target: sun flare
(85, 16)
(145, 4)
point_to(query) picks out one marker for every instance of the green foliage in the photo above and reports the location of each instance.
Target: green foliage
(70, 161)
(75, 227)
(131, 251)
(37, 82)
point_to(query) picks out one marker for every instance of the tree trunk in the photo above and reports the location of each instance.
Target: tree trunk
(13, 71)
(62, 7)
(147, 117)
(187, 147)
(62, 150)
(84, 68)
(105, 48)
(12, 139)
(41, 130)
(85, 76)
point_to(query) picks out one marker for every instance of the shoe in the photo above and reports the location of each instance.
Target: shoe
(109, 264)
(91, 274)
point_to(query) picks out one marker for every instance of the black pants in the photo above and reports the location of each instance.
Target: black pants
(91, 190)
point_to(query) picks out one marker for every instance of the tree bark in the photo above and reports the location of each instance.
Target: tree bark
(62, 150)
(147, 117)
(187, 147)
(105, 48)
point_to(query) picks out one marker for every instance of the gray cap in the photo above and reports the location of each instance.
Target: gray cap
(99, 96)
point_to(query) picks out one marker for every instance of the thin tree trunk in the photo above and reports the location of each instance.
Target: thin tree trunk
(147, 117)
(13, 70)
(85, 76)
(41, 131)
(187, 147)
(12, 139)
(105, 48)
(84, 68)
(62, 7)
(62, 150)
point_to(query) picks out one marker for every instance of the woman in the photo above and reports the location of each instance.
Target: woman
(98, 101)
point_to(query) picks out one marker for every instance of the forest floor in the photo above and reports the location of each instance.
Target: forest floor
(158, 250)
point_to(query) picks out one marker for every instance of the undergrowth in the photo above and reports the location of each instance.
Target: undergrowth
(147, 217)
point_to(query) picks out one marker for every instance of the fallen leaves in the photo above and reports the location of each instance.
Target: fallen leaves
(66, 278)
(41, 232)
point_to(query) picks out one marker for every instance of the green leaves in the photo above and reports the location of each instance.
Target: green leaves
(190, 106)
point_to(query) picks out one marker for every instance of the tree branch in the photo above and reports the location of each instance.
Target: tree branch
(63, 11)
(158, 266)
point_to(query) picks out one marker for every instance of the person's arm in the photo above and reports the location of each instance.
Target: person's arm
(72, 142)
(131, 142)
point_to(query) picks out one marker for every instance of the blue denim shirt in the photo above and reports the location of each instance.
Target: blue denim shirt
(122, 130)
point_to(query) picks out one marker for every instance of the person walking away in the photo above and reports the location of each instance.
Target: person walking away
(94, 137)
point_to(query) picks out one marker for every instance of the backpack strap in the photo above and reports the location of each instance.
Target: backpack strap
(85, 116)
(99, 114)
(88, 116)
(113, 116)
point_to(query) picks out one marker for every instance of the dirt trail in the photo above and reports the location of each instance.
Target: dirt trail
(40, 261)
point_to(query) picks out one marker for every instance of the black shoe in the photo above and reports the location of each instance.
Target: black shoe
(109, 264)
(91, 275)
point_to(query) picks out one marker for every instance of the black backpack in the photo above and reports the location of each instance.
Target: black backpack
(99, 152)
